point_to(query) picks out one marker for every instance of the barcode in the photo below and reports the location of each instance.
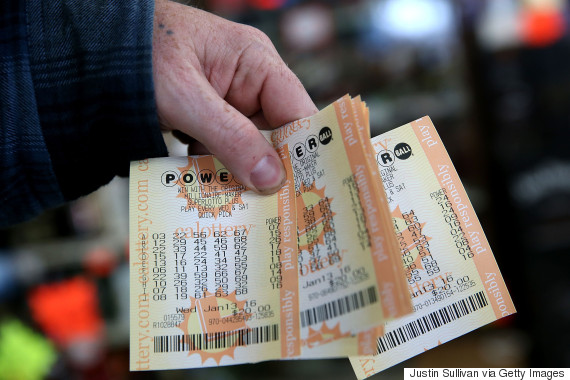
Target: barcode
(338, 307)
(217, 340)
(431, 321)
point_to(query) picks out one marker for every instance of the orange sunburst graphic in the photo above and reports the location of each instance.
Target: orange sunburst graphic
(323, 335)
(209, 187)
(314, 216)
(215, 326)
(412, 238)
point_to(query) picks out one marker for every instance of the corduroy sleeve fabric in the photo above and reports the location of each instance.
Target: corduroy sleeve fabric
(77, 99)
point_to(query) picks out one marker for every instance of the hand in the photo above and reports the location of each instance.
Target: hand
(218, 82)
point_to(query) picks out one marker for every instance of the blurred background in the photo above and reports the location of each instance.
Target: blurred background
(494, 76)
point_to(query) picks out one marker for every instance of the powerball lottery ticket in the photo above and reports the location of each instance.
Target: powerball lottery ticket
(453, 279)
(213, 267)
(332, 341)
(350, 275)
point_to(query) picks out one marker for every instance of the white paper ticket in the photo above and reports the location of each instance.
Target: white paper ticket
(213, 267)
(329, 341)
(350, 275)
(453, 279)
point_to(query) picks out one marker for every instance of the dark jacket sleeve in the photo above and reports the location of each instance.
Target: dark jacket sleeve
(77, 99)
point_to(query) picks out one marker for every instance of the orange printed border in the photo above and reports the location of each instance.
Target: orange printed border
(289, 293)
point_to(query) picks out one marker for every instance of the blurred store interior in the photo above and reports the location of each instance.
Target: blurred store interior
(494, 76)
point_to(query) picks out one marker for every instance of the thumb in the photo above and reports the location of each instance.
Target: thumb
(226, 133)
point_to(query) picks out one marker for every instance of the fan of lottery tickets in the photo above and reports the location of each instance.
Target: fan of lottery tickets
(371, 250)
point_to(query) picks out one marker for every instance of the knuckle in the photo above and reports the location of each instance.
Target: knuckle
(253, 39)
(280, 70)
(255, 34)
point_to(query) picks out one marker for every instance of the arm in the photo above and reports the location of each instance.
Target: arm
(78, 104)
(92, 75)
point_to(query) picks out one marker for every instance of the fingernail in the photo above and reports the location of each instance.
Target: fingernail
(268, 175)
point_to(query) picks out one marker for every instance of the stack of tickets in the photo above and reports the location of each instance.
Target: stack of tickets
(371, 250)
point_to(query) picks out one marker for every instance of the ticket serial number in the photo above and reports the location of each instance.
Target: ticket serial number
(451, 287)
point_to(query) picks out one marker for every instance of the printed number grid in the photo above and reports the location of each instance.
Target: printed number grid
(339, 307)
(217, 340)
(431, 321)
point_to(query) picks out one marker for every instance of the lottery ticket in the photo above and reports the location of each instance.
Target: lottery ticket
(349, 280)
(453, 279)
(363, 343)
(214, 273)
